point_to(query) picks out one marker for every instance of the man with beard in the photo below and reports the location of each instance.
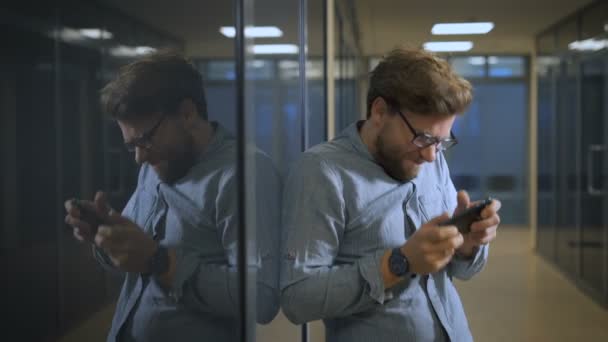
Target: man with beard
(176, 239)
(364, 247)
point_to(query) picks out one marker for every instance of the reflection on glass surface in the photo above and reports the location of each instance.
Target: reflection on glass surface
(181, 222)
(572, 148)
(61, 57)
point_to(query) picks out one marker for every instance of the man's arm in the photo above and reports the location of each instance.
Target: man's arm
(210, 284)
(313, 284)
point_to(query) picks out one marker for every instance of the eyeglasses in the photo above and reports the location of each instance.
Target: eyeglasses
(424, 140)
(145, 139)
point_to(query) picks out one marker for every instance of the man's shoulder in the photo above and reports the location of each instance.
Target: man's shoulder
(334, 152)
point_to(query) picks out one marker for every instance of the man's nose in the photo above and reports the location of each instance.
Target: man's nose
(141, 155)
(429, 153)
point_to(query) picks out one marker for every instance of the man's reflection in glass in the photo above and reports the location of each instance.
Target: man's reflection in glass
(176, 239)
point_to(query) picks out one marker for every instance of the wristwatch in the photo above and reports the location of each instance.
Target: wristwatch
(397, 263)
(159, 262)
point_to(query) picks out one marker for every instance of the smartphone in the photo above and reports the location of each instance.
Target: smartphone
(88, 215)
(464, 220)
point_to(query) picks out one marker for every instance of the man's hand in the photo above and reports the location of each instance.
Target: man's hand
(128, 247)
(82, 229)
(432, 246)
(482, 231)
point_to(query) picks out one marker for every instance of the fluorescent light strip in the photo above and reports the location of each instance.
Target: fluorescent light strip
(131, 51)
(588, 44)
(253, 31)
(274, 49)
(462, 28)
(448, 46)
(95, 33)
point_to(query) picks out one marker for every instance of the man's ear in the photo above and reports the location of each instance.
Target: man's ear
(378, 111)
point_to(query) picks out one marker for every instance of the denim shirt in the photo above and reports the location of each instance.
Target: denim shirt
(198, 217)
(341, 213)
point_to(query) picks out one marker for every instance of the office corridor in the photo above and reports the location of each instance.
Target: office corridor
(521, 297)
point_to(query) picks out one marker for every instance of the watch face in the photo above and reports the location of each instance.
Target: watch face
(398, 263)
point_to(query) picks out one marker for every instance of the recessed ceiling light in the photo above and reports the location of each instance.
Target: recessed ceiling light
(253, 31)
(273, 49)
(462, 28)
(448, 46)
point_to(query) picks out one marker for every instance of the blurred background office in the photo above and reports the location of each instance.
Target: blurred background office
(535, 137)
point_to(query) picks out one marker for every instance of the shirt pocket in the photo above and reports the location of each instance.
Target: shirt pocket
(432, 203)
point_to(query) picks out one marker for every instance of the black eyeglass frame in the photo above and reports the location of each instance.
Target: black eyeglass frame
(424, 140)
(145, 139)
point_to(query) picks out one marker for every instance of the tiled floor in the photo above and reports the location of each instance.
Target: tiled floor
(520, 297)
(517, 297)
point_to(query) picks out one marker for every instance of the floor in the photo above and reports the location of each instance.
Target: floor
(517, 297)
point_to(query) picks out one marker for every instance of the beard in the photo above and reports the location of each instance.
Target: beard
(394, 163)
(179, 162)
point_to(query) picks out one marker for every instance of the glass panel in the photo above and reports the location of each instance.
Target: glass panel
(274, 123)
(29, 224)
(567, 183)
(259, 69)
(546, 162)
(594, 84)
(220, 70)
(503, 66)
(472, 66)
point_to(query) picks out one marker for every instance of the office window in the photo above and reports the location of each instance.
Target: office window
(506, 66)
(469, 66)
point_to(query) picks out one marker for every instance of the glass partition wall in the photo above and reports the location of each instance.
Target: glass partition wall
(572, 129)
(265, 80)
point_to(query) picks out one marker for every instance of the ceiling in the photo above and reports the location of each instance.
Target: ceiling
(382, 23)
(385, 23)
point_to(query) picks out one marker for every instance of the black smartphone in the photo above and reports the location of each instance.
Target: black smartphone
(88, 215)
(464, 220)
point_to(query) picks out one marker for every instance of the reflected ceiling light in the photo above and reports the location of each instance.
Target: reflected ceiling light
(273, 49)
(462, 28)
(95, 33)
(130, 51)
(66, 34)
(448, 46)
(588, 44)
(71, 35)
(480, 60)
(253, 31)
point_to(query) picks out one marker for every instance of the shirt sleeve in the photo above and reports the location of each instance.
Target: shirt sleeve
(313, 284)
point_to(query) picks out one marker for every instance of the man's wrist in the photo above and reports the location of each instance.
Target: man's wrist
(158, 263)
(467, 252)
(389, 278)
